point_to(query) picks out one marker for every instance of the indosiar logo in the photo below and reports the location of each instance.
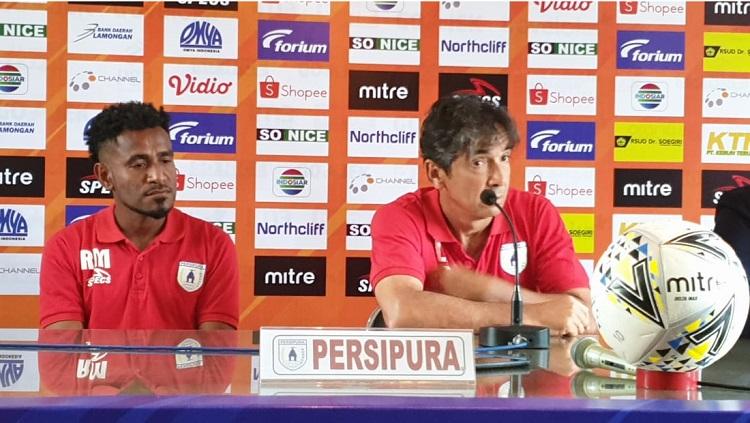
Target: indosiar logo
(201, 36)
(13, 78)
(289, 276)
(291, 182)
(561, 140)
(13, 225)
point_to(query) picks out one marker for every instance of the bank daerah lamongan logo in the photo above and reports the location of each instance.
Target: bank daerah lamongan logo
(292, 353)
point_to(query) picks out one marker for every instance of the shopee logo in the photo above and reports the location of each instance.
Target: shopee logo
(629, 7)
(539, 95)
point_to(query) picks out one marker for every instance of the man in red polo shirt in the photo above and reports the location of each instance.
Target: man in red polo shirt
(441, 258)
(139, 264)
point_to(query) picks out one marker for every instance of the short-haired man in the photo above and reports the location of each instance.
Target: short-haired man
(139, 264)
(436, 252)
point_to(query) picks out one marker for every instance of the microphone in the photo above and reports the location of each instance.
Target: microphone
(588, 385)
(588, 354)
(517, 332)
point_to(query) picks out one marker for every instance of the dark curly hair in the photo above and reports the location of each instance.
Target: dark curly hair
(119, 118)
(462, 124)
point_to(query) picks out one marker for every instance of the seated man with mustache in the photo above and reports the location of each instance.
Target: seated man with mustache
(141, 263)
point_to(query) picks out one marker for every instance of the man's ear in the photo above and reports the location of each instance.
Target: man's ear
(102, 173)
(434, 173)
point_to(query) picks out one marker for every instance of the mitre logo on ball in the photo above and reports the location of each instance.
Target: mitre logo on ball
(670, 296)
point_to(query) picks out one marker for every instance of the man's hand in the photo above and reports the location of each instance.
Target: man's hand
(564, 315)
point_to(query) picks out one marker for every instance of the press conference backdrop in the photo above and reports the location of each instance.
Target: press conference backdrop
(293, 121)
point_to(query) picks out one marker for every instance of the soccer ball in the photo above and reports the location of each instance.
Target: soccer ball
(670, 296)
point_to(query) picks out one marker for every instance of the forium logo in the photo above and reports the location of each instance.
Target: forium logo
(633, 50)
(276, 41)
(13, 225)
(648, 188)
(191, 84)
(290, 276)
(180, 133)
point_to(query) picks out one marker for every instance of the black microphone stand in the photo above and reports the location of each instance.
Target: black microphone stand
(535, 337)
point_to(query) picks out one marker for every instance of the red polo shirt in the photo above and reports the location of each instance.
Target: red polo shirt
(404, 235)
(91, 273)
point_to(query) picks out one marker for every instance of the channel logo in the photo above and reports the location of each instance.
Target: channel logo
(384, 44)
(80, 181)
(561, 94)
(358, 277)
(648, 188)
(714, 183)
(563, 48)
(733, 13)
(649, 142)
(200, 85)
(203, 132)
(563, 11)
(105, 33)
(622, 223)
(201, 38)
(561, 140)
(725, 143)
(22, 177)
(383, 90)
(726, 52)
(651, 50)
(23, 128)
(581, 229)
(20, 276)
(564, 187)
(639, 96)
(320, 8)
(23, 30)
(385, 9)
(290, 276)
(21, 225)
(289, 88)
(291, 182)
(105, 82)
(358, 235)
(474, 46)
(23, 79)
(491, 88)
(206, 180)
(291, 229)
(202, 4)
(292, 135)
(291, 40)
(383, 137)
(222, 217)
(726, 98)
(379, 183)
(75, 213)
(498, 11)
(651, 12)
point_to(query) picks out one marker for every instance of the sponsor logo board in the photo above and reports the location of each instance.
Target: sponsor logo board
(649, 96)
(467, 46)
(291, 229)
(564, 11)
(648, 188)
(726, 52)
(379, 183)
(714, 183)
(662, 50)
(80, 181)
(23, 30)
(292, 135)
(320, 7)
(23, 128)
(105, 33)
(74, 213)
(498, 11)
(203, 132)
(289, 88)
(383, 90)
(561, 140)
(384, 44)
(202, 4)
(563, 48)
(383, 137)
(105, 82)
(561, 94)
(725, 143)
(23, 79)
(624, 222)
(292, 40)
(22, 176)
(200, 85)
(21, 225)
(78, 122)
(492, 88)
(206, 180)
(563, 186)
(223, 218)
(649, 142)
(358, 236)
(204, 37)
(358, 277)
(385, 9)
(651, 12)
(290, 276)
(734, 13)
(580, 226)
(19, 274)
(291, 182)
(726, 98)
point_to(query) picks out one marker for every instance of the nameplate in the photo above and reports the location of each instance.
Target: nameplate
(289, 354)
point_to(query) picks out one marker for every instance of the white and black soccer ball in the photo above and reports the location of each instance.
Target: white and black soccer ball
(670, 296)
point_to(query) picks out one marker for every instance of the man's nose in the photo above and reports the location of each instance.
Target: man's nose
(495, 174)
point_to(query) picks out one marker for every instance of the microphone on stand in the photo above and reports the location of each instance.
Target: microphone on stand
(588, 385)
(517, 332)
(587, 353)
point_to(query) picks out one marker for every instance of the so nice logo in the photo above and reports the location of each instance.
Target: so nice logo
(193, 85)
